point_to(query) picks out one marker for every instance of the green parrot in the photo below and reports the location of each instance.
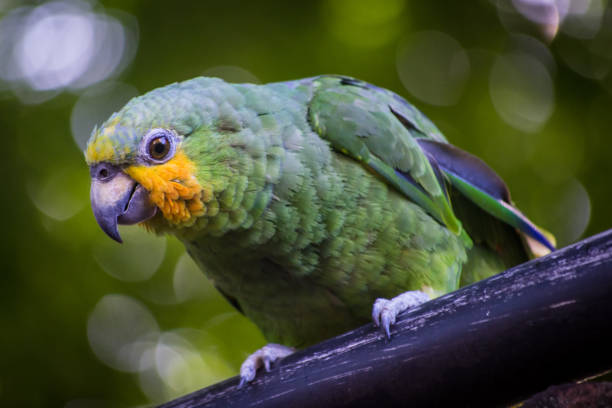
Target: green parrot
(313, 205)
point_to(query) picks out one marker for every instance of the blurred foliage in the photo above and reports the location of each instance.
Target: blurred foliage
(86, 322)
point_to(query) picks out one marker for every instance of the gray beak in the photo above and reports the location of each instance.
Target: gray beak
(117, 199)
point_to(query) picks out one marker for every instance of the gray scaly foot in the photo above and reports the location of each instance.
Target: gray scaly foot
(385, 311)
(265, 356)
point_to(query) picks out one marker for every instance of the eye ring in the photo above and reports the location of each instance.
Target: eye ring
(158, 145)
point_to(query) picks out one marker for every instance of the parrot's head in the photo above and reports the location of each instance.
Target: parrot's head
(160, 160)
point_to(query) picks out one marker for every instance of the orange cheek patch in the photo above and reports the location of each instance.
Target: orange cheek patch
(173, 188)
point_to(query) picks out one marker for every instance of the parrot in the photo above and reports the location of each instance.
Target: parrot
(313, 205)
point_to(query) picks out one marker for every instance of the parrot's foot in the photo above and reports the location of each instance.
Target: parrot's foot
(385, 311)
(265, 356)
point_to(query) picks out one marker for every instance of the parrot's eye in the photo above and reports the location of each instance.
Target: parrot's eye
(158, 145)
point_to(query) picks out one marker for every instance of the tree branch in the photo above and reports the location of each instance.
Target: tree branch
(544, 322)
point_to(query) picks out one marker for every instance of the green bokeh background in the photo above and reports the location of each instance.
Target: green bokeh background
(53, 253)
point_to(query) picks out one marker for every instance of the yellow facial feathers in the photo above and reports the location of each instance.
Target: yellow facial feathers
(173, 188)
(101, 147)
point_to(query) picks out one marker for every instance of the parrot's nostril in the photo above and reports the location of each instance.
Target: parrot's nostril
(103, 171)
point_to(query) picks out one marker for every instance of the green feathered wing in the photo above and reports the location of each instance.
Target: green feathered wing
(397, 142)
(361, 121)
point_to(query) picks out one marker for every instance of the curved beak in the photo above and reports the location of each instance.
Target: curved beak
(117, 199)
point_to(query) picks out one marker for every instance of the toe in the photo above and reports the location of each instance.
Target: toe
(267, 362)
(387, 319)
(247, 374)
(377, 309)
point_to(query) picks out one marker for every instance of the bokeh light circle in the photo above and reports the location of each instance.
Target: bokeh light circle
(522, 91)
(572, 212)
(137, 259)
(189, 281)
(119, 330)
(63, 45)
(59, 194)
(175, 365)
(96, 105)
(433, 67)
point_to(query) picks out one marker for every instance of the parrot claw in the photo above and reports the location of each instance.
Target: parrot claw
(385, 311)
(265, 356)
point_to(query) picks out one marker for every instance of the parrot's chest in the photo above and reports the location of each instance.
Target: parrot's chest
(308, 294)
(288, 308)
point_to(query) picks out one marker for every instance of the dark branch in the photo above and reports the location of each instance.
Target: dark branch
(545, 322)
